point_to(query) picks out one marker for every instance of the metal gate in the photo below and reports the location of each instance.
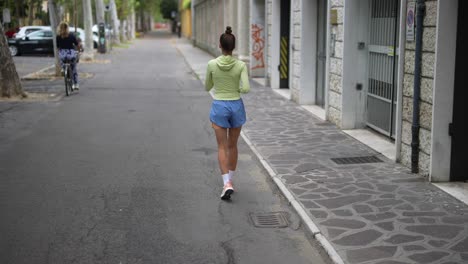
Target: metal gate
(383, 61)
(284, 43)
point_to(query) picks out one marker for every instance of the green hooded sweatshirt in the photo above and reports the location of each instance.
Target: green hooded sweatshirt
(225, 73)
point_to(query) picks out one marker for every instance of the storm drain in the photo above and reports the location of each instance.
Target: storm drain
(271, 220)
(356, 160)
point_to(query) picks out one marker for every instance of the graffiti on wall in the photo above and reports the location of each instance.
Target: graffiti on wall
(258, 45)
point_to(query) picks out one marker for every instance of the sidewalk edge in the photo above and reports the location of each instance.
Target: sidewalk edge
(310, 225)
(29, 75)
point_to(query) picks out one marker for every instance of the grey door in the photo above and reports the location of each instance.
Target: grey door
(459, 139)
(321, 52)
(383, 61)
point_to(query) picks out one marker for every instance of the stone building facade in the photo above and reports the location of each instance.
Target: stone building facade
(348, 70)
(354, 60)
(427, 83)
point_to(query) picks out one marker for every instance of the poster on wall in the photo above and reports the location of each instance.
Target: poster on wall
(410, 18)
(6, 16)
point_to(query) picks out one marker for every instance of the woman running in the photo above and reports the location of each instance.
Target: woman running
(68, 45)
(229, 78)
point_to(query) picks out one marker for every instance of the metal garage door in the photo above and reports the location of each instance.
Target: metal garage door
(383, 61)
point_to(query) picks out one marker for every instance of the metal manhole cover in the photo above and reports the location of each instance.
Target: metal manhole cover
(271, 220)
(356, 160)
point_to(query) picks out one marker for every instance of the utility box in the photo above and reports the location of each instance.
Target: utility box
(102, 38)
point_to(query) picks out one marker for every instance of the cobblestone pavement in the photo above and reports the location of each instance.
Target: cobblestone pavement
(371, 213)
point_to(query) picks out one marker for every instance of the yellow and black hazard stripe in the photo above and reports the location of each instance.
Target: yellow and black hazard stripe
(284, 54)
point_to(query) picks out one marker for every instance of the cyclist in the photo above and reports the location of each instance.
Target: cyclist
(67, 45)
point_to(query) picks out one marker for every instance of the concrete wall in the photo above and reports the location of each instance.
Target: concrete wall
(209, 24)
(443, 90)
(186, 23)
(427, 82)
(304, 48)
(242, 31)
(273, 33)
(211, 18)
(295, 58)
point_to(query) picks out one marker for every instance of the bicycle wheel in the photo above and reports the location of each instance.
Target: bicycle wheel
(70, 79)
(68, 82)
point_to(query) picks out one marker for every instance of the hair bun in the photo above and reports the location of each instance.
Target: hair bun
(228, 30)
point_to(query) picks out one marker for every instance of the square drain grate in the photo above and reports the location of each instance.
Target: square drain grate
(356, 160)
(271, 220)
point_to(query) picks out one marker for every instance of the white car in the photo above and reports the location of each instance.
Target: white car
(80, 33)
(96, 29)
(23, 31)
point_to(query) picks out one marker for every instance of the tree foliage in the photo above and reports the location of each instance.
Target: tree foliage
(167, 7)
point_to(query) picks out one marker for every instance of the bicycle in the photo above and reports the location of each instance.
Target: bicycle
(67, 73)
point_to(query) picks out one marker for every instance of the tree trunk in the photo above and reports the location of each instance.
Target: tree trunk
(149, 21)
(123, 36)
(19, 4)
(142, 20)
(100, 11)
(31, 12)
(10, 84)
(53, 17)
(115, 22)
(133, 24)
(88, 28)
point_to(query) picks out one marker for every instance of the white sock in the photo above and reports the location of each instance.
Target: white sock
(225, 178)
(231, 173)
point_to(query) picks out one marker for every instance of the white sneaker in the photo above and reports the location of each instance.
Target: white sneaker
(76, 86)
(227, 191)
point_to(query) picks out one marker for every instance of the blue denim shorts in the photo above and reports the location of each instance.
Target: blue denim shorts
(227, 113)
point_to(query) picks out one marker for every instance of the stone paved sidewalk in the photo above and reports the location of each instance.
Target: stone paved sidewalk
(370, 213)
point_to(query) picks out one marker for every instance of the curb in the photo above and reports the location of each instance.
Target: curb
(310, 225)
(29, 75)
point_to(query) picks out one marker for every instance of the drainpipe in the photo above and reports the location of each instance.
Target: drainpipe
(421, 8)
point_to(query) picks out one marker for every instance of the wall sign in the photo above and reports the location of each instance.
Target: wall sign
(410, 19)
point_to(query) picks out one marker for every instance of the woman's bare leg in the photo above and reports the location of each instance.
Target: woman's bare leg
(222, 140)
(233, 137)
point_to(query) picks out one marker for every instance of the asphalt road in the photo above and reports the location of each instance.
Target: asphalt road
(125, 171)
(32, 63)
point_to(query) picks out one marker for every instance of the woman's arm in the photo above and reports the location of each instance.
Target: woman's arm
(209, 79)
(245, 88)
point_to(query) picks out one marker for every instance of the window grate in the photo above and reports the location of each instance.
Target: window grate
(356, 160)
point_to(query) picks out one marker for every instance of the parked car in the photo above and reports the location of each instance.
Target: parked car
(80, 33)
(108, 29)
(11, 32)
(37, 42)
(23, 31)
